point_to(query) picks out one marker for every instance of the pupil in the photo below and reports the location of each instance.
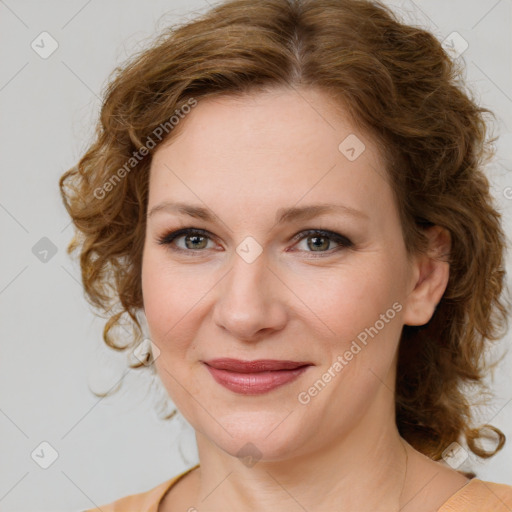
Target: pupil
(315, 245)
(194, 239)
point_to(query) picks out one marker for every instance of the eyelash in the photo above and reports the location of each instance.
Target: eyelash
(343, 241)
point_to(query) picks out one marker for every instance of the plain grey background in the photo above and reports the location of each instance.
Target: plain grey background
(52, 351)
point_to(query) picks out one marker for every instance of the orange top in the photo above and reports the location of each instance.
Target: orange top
(476, 496)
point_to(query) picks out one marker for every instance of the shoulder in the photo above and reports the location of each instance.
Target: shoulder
(480, 496)
(144, 501)
(147, 501)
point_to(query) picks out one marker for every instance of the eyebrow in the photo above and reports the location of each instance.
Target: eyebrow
(283, 215)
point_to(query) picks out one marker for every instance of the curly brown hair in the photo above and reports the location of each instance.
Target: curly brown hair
(397, 83)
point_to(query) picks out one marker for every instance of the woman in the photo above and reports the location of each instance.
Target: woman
(292, 193)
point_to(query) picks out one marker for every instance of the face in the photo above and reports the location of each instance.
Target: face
(327, 287)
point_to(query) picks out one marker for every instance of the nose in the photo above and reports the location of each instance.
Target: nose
(250, 303)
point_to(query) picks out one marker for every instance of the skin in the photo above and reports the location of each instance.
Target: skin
(263, 152)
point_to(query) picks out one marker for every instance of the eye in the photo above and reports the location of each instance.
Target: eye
(196, 240)
(319, 239)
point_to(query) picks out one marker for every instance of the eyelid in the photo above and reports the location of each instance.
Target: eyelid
(337, 237)
(169, 237)
(341, 240)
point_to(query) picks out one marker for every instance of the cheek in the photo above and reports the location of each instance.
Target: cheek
(174, 302)
(344, 301)
(162, 304)
(361, 308)
(169, 312)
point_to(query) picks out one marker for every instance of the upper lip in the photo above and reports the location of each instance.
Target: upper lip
(259, 365)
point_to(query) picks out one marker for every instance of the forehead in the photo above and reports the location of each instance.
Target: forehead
(269, 150)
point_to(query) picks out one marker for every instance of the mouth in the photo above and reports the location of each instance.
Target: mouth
(255, 377)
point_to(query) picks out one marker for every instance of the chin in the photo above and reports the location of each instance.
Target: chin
(257, 436)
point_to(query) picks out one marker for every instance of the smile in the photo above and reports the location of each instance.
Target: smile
(255, 382)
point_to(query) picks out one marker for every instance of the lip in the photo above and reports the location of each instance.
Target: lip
(255, 377)
(258, 365)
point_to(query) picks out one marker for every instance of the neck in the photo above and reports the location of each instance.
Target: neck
(364, 470)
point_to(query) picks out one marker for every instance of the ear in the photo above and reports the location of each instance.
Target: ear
(430, 273)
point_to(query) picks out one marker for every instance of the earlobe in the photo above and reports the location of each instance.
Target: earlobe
(430, 277)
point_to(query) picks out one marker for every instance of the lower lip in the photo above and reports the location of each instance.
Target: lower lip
(255, 383)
